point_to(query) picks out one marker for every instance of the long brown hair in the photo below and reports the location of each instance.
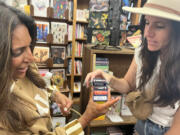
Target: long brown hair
(10, 110)
(168, 85)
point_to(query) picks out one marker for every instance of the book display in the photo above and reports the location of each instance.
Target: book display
(98, 29)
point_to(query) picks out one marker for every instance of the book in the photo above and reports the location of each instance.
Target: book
(58, 122)
(41, 54)
(42, 72)
(58, 78)
(99, 5)
(59, 31)
(98, 20)
(60, 7)
(58, 55)
(135, 41)
(40, 7)
(70, 32)
(114, 131)
(77, 86)
(100, 37)
(123, 22)
(82, 15)
(125, 111)
(114, 113)
(42, 31)
(55, 109)
(18, 4)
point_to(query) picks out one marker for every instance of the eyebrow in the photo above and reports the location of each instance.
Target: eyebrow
(21, 47)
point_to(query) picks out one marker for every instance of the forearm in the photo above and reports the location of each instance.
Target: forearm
(119, 85)
(175, 127)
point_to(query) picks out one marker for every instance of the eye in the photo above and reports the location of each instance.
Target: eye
(18, 52)
(160, 26)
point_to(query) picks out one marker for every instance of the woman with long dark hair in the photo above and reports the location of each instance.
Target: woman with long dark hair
(155, 67)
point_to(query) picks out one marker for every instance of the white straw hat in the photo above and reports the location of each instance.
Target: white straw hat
(168, 9)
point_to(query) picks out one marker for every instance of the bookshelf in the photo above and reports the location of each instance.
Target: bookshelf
(73, 76)
(119, 61)
(51, 42)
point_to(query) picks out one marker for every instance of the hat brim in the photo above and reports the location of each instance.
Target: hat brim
(153, 12)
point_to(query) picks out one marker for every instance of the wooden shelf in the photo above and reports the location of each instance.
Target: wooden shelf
(82, 22)
(74, 75)
(78, 57)
(64, 90)
(49, 19)
(76, 100)
(77, 75)
(81, 39)
(76, 92)
(45, 67)
(107, 122)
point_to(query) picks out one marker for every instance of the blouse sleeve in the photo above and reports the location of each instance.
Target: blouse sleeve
(72, 128)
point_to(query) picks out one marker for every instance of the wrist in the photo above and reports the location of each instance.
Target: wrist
(111, 82)
(53, 95)
(83, 121)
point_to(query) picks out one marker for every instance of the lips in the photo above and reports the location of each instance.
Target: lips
(151, 42)
(22, 70)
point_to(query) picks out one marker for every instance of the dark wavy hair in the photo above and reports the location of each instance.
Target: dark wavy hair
(10, 110)
(167, 90)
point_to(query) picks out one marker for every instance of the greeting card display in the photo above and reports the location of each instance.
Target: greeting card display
(99, 5)
(59, 30)
(41, 54)
(100, 37)
(19, 4)
(58, 77)
(98, 20)
(58, 55)
(42, 31)
(60, 7)
(40, 7)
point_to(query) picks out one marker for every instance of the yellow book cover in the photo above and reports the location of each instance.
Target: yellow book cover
(27, 9)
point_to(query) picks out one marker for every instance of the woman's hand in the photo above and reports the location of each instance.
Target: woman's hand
(63, 102)
(97, 73)
(93, 109)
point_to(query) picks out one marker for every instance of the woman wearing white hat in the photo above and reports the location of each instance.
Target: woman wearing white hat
(155, 67)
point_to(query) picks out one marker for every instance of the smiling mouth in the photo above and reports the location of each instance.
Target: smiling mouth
(22, 70)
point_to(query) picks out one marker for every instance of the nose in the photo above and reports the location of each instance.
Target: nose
(28, 55)
(148, 31)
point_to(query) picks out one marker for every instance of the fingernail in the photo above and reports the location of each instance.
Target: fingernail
(65, 109)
